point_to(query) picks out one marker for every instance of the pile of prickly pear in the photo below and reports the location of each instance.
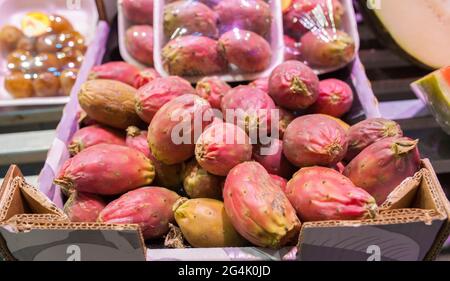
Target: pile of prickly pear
(229, 166)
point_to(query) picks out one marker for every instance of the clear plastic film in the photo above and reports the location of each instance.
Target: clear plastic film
(315, 34)
(234, 39)
(41, 56)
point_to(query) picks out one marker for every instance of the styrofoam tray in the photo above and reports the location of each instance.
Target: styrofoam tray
(82, 14)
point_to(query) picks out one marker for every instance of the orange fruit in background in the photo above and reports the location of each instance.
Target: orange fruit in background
(285, 4)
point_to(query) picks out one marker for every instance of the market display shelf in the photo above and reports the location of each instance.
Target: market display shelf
(391, 76)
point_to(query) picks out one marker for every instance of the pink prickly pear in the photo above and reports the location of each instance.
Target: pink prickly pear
(272, 158)
(149, 207)
(152, 96)
(368, 132)
(314, 140)
(116, 70)
(261, 83)
(166, 175)
(258, 208)
(106, 169)
(84, 207)
(221, 147)
(293, 85)
(145, 76)
(320, 194)
(281, 182)
(174, 130)
(92, 135)
(139, 43)
(335, 98)
(382, 166)
(212, 89)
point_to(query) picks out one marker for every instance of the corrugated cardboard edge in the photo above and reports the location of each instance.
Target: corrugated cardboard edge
(445, 206)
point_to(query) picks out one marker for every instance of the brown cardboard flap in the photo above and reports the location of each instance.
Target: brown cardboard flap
(403, 196)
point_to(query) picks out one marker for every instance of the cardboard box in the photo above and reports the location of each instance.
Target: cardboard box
(412, 226)
(32, 228)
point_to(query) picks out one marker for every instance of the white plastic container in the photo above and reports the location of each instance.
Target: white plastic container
(84, 17)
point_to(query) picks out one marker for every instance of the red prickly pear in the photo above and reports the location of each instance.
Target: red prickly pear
(92, 135)
(84, 207)
(115, 70)
(139, 43)
(296, 16)
(246, 50)
(271, 157)
(152, 96)
(106, 169)
(145, 76)
(249, 108)
(166, 175)
(149, 207)
(221, 147)
(285, 118)
(320, 194)
(192, 55)
(368, 132)
(335, 98)
(314, 140)
(212, 89)
(329, 48)
(189, 17)
(174, 130)
(281, 182)
(258, 208)
(294, 85)
(382, 166)
(198, 183)
(262, 84)
(253, 15)
(205, 224)
(138, 11)
(291, 49)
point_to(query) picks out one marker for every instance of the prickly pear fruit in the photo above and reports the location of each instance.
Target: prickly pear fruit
(138, 11)
(84, 207)
(262, 84)
(205, 224)
(221, 147)
(320, 194)
(314, 140)
(249, 108)
(271, 157)
(253, 15)
(139, 43)
(281, 182)
(344, 125)
(166, 175)
(291, 49)
(189, 17)
(258, 208)
(335, 98)
(212, 89)
(109, 102)
(301, 14)
(176, 127)
(382, 166)
(92, 135)
(106, 169)
(145, 76)
(368, 132)
(294, 85)
(149, 207)
(115, 70)
(246, 50)
(198, 183)
(151, 97)
(193, 56)
(332, 48)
